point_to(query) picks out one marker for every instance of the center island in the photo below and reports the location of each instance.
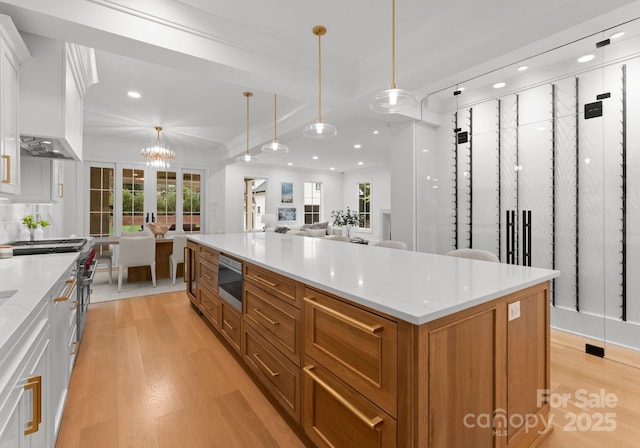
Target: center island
(365, 346)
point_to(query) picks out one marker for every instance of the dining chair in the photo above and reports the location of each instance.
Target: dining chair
(177, 255)
(137, 251)
(474, 254)
(103, 255)
(392, 244)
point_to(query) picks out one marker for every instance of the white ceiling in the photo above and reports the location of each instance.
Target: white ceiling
(192, 59)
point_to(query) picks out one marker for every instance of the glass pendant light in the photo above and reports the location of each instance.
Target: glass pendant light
(246, 157)
(157, 155)
(393, 100)
(319, 129)
(275, 147)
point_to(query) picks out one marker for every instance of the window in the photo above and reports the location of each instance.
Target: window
(132, 200)
(255, 196)
(191, 188)
(364, 204)
(312, 200)
(101, 191)
(166, 198)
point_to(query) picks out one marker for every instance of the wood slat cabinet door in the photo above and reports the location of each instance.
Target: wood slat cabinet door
(276, 320)
(276, 284)
(231, 325)
(336, 416)
(273, 369)
(356, 345)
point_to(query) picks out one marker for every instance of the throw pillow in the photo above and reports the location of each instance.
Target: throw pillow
(281, 229)
(315, 233)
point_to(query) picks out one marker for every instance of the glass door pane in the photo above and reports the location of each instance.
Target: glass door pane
(133, 210)
(191, 197)
(166, 198)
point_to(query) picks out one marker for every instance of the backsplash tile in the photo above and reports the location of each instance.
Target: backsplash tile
(11, 218)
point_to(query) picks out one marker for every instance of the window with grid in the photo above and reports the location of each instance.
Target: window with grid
(312, 200)
(132, 200)
(191, 194)
(364, 205)
(166, 198)
(101, 192)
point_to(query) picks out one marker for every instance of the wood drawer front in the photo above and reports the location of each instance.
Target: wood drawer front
(275, 371)
(335, 415)
(209, 255)
(230, 324)
(209, 275)
(210, 307)
(277, 321)
(276, 284)
(359, 347)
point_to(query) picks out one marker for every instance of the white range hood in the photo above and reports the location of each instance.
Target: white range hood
(52, 87)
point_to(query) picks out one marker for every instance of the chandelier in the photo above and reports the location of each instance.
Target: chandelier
(157, 155)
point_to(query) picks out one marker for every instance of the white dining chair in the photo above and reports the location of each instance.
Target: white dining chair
(137, 251)
(177, 255)
(474, 254)
(392, 244)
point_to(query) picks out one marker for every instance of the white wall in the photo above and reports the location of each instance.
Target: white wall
(403, 185)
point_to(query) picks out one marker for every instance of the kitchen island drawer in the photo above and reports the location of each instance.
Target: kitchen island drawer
(209, 276)
(276, 284)
(277, 321)
(335, 415)
(210, 306)
(275, 371)
(356, 345)
(231, 324)
(208, 254)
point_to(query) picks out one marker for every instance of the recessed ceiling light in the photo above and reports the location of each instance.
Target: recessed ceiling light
(290, 163)
(376, 132)
(357, 146)
(461, 89)
(46, 142)
(522, 68)
(499, 85)
(616, 35)
(57, 151)
(332, 168)
(315, 157)
(425, 150)
(133, 94)
(586, 58)
(360, 163)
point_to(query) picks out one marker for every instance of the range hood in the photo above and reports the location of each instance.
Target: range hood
(51, 148)
(53, 84)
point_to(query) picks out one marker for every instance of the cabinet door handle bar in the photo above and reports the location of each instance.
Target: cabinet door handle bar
(261, 314)
(72, 284)
(266, 367)
(7, 178)
(372, 423)
(266, 282)
(35, 385)
(373, 329)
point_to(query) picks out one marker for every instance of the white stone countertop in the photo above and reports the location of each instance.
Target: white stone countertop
(412, 286)
(32, 276)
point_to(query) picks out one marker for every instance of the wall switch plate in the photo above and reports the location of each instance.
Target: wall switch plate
(514, 310)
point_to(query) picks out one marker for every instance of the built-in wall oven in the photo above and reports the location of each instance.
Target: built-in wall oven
(230, 281)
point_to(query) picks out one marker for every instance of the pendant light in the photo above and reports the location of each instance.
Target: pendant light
(275, 147)
(393, 100)
(158, 155)
(319, 129)
(246, 157)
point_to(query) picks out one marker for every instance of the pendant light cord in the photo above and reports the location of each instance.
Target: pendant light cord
(319, 80)
(275, 114)
(248, 95)
(393, 44)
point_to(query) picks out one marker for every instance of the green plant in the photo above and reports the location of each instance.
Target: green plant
(342, 218)
(31, 223)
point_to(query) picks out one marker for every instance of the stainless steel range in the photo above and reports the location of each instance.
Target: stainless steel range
(85, 267)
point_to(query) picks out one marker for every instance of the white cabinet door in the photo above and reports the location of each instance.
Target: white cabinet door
(9, 137)
(27, 421)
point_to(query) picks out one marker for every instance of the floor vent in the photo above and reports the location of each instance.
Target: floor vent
(594, 350)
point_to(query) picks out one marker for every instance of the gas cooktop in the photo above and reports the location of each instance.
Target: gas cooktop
(48, 246)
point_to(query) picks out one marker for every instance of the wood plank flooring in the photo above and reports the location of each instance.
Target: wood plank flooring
(150, 373)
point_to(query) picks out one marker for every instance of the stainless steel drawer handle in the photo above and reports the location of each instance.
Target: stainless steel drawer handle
(372, 423)
(373, 329)
(261, 314)
(271, 372)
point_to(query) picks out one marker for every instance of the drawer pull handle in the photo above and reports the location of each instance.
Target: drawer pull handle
(74, 306)
(207, 276)
(271, 372)
(261, 314)
(72, 284)
(185, 257)
(7, 178)
(75, 348)
(372, 423)
(265, 282)
(231, 327)
(35, 385)
(373, 329)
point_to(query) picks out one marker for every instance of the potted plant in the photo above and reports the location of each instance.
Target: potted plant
(32, 225)
(346, 219)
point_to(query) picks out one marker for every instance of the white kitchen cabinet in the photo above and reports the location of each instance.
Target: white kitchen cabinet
(13, 52)
(25, 416)
(41, 180)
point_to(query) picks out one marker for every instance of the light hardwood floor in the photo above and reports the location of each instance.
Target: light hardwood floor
(150, 373)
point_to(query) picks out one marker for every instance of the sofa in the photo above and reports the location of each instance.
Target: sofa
(317, 230)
